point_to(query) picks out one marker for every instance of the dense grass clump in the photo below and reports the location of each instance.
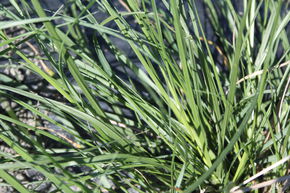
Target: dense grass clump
(145, 95)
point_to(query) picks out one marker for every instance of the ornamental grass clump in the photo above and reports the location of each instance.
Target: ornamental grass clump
(146, 96)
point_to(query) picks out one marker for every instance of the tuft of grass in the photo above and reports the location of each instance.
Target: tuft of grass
(139, 92)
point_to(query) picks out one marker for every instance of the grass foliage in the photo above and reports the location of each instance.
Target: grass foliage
(205, 112)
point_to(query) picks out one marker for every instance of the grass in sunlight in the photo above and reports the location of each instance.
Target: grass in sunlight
(140, 95)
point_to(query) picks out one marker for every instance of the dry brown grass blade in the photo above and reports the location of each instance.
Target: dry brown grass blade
(219, 50)
(234, 189)
(73, 143)
(250, 76)
(124, 5)
(281, 102)
(262, 185)
(36, 53)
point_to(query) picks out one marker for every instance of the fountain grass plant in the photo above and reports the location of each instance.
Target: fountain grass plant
(205, 115)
